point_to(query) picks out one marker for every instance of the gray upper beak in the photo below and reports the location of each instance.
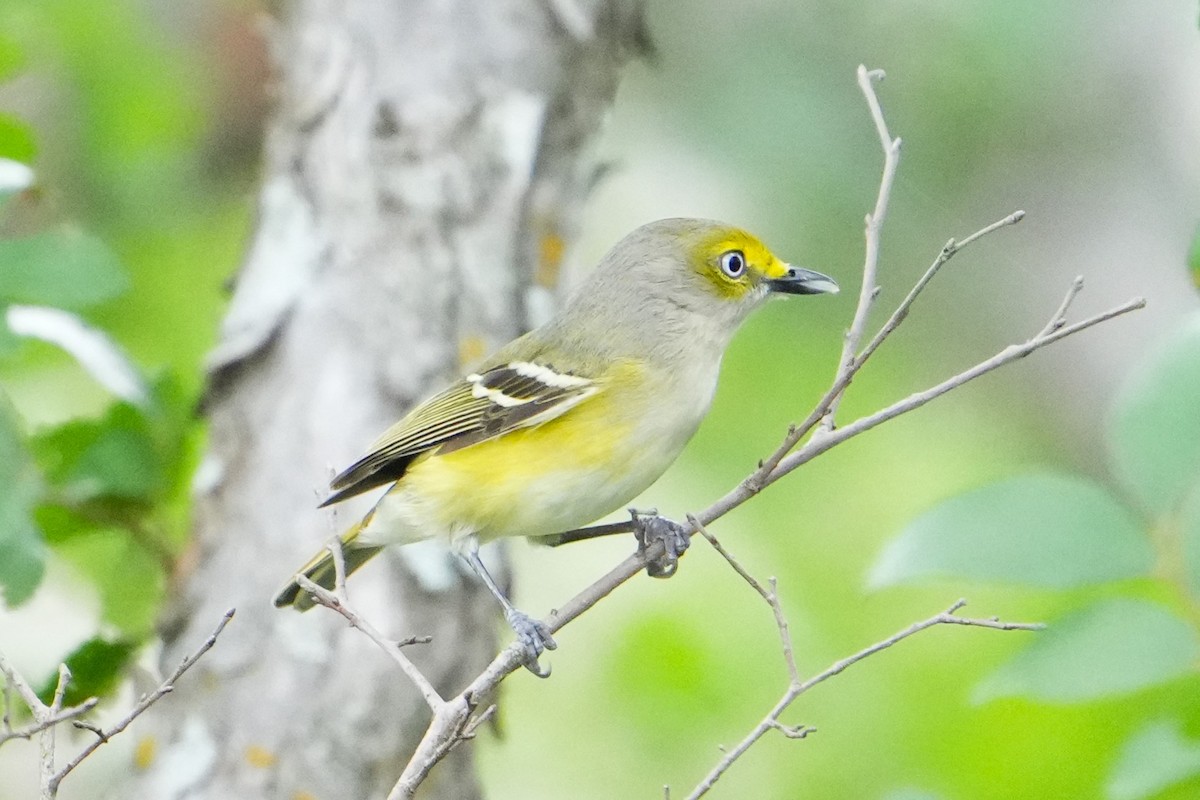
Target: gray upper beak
(803, 281)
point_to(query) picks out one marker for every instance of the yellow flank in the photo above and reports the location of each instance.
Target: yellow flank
(541, 479)
(762, 262)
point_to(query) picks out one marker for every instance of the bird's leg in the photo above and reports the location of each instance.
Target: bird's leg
(533, 634)
(649, 528)
(583, 534)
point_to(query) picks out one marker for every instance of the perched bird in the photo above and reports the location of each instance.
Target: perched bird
(574, 419)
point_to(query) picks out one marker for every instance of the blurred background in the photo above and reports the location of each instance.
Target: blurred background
(144, 123)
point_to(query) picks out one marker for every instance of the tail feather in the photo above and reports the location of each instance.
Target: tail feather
(322, 571)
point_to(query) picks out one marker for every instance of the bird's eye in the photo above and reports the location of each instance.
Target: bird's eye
(733, 263)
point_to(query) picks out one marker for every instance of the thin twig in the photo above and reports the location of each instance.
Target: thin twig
(797, 688)
(901, 313)
(771, 597)
(15, 680)
(818, 445)
(45, 718)
(48, 737)
(873, 232)
(33, 728)
(1060, 316)
(390, 646)
(147, 700)
(339, 569)
(847, 370)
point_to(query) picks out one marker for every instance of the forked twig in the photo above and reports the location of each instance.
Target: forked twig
(147, 700)
(798, 686)
(47, 717)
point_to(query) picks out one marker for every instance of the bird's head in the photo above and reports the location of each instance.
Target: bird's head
(676, 272)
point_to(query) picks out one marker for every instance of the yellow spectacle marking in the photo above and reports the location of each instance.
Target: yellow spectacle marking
(759, 261)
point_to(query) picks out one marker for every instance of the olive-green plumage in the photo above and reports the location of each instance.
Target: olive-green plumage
(577, 417)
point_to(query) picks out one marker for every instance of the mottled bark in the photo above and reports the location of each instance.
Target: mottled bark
(425, 162)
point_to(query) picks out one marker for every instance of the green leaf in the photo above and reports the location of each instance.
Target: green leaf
(1042, 529)
(63, 267)
(1156, 758)
(130, 579)
(114, 457)
(96, 667)
(22, 552)
(16, 140)
(11, 58)
(1155, 432)
(1109, 648)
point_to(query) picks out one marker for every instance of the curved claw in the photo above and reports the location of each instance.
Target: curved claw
(534, 636)
(650, 528)
(537, 669)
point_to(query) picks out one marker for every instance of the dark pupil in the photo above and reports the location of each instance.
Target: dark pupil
(734, 263)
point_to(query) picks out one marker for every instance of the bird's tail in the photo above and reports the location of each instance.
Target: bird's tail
(321, 570)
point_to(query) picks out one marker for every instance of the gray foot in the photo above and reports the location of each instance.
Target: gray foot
(534, 636)
(650, 528)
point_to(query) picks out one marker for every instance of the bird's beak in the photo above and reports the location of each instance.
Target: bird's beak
(798, 280)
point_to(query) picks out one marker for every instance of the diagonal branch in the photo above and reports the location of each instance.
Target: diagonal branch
(335, 602)
(873, 234)
(147, 700)
(33, 728)
(798, 687)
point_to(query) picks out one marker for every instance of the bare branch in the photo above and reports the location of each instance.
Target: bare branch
(14, 680)
(821, 444)
(339, 569)
(771, 720)
(1060, 316)
(847, 370)
(147, 700)
(64, 715)
(772, 598)
(952, 247)
(874, 227)
(392, 647)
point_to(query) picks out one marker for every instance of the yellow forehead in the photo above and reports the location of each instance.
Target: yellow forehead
(758, 257)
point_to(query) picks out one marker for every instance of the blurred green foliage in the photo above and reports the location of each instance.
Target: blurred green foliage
(1156, 758)
(1194, 259)
(96, 667)
(1065, 532)
(22, 553)
(127, 232)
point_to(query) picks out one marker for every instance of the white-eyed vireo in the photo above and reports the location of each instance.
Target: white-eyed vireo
(573, 419)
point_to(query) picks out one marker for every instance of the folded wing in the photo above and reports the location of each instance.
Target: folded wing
(481, 406)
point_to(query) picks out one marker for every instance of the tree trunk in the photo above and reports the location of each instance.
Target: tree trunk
(425, 163)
